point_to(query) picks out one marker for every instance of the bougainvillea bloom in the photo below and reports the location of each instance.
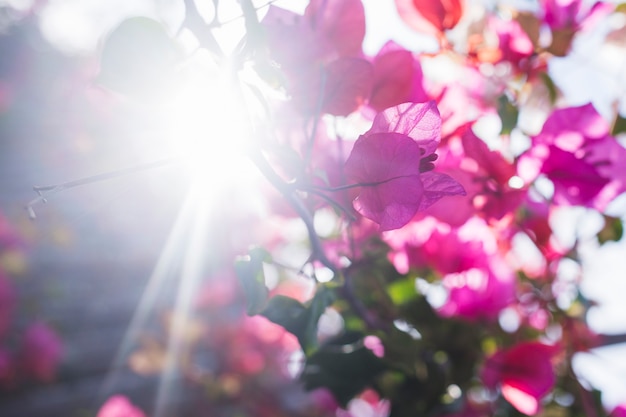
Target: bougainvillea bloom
(479, 293)
(523, 373)
(575, 151)
(426, 15)
(485, 174)
(434, 244)
(41, 352)
(119, 406)
(572, 14)
(619, 411)
(7, 303)
(397, 78)
(393, 162)
(367, 404)
(7, 368)
(319, 53)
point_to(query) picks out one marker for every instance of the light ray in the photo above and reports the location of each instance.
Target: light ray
(193, 267)
(163, 269)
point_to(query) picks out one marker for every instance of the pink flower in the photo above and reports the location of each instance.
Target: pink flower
(320, 54)
(575, 151)
(119, 406)
(485, 175)
(397, 78)
(479, 292)
(393, 162)
(7, 303)
(478, 281)
(7, 368)
(572, 14)
(41, 351)
(433, 244)
(513, 42)
(430, 16)
(619, 411)
(9, 237)
(523, 373)
(367, 404)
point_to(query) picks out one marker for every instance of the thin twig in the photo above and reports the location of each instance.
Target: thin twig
(45, 191)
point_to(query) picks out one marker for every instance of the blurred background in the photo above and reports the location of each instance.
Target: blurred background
(82, 267)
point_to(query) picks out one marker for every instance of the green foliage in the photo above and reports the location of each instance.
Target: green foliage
(299, 319)
(613, 230)
(344, 366)
(402, 291)
(249, 270)
(620, 125)
(508, 113)
(551, 86)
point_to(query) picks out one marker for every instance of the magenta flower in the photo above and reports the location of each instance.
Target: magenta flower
(523, 373)
(7, 303)
(429, 243)
(397, 78)
(485, 176)
(367, 404)
(7, 368)
(479, 293)
(619, 411)
(572, 14)
(575, 151)
(119, 406)
(478, 281)
(41, 352)
(393, 163)
(430, 16)
(514, 44)
(320, 55)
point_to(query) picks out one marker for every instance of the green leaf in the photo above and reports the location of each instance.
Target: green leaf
(402, 291)
(508, 114)
(298, 319)
(287, 312)
(552, 88)
(249, 270)
(344, 366)
(613, 230)
(619, 126)
(139, 58)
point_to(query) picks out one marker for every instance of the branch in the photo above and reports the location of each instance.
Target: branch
(287, 190)
(196, 24)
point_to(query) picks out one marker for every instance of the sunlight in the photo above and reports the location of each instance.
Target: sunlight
(161, 273)
(208, 124)
(192, 271)
(206, 128)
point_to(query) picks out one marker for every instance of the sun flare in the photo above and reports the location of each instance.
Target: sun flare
(208, 128)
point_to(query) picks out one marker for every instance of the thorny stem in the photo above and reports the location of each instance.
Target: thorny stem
(45, 191)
